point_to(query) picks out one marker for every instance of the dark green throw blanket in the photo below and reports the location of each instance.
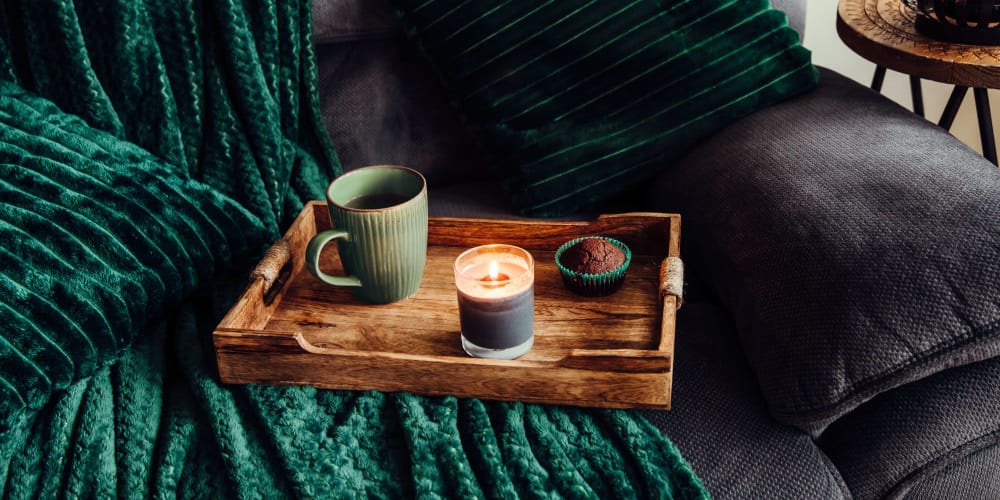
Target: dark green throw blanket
(149, 151)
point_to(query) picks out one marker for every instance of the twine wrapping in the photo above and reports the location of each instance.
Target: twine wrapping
(672, 279)
(271, 264)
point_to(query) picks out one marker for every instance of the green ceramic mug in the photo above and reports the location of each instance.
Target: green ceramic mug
(379, 217)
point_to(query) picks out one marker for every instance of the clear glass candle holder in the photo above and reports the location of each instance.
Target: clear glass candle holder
(496, 301)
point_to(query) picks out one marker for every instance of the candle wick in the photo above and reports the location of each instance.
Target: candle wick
(494, 281)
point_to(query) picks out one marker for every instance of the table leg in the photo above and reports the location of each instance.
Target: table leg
(915, 89)
(985, 124)
(878, 78)
(918, 96)
(951, 109)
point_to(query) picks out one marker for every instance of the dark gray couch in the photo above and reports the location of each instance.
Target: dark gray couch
(839, 335)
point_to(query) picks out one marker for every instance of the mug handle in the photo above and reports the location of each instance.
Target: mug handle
(315, 246)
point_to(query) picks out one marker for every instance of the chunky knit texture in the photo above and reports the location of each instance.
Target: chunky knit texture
(148, 152)
(97, 238)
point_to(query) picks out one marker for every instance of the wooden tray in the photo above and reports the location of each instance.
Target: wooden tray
(289, 328)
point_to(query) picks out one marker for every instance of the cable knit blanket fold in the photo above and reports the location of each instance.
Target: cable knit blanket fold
(149, 151)
(97, 237)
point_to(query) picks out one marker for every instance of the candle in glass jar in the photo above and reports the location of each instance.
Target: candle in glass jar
(496, 301)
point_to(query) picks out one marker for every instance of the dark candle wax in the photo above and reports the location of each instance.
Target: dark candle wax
(498, 323)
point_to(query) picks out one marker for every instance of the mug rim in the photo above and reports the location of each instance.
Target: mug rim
(411, 199)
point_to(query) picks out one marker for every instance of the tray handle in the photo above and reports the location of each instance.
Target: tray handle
(672, 279)
(274, 269)
(617, 360)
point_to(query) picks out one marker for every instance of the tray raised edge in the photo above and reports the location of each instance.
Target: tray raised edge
(614, 378)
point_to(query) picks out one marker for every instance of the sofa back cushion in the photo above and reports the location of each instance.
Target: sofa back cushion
(381, 102)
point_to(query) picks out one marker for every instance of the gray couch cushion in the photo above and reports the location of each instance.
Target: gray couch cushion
(719, 421)
(855, 243)
(380, 100)
(336, 21)
(937, 435)
(973, 476)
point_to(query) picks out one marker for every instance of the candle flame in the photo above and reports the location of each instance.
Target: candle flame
(494, 270)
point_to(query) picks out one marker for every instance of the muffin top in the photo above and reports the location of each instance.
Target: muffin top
(592, 256)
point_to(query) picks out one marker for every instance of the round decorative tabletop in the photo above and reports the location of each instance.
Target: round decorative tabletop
(883, 32)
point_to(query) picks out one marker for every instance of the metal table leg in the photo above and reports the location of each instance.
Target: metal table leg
(985, 124)
(918, 96)
(951, 109)
(878, 78)
(986, 137)
(915, 90)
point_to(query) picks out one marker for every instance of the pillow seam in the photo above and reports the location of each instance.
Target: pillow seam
(906, 481)
(862, 388)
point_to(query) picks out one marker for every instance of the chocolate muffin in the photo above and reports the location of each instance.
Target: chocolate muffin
(593, 265)
(593, 256)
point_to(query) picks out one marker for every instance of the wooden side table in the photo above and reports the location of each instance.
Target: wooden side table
(883, 32)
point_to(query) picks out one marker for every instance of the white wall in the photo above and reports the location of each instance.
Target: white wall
(828, 51)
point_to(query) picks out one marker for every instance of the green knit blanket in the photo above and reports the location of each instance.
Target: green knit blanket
(149, 152)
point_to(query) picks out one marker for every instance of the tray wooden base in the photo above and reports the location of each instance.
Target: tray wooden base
(616, 351)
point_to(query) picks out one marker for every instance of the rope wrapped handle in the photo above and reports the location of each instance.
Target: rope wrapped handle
(672, 279)
(273, 269)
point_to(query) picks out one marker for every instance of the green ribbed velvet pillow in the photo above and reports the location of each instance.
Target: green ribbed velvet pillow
(580, 100)
(97, 238)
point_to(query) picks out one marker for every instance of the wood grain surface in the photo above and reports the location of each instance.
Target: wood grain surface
(614, 351)
(883, 32)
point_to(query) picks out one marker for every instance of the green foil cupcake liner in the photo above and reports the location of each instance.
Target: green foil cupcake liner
(593, 285)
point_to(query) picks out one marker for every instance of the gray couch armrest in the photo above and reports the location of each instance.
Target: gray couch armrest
(934, 438)
(854, 243)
